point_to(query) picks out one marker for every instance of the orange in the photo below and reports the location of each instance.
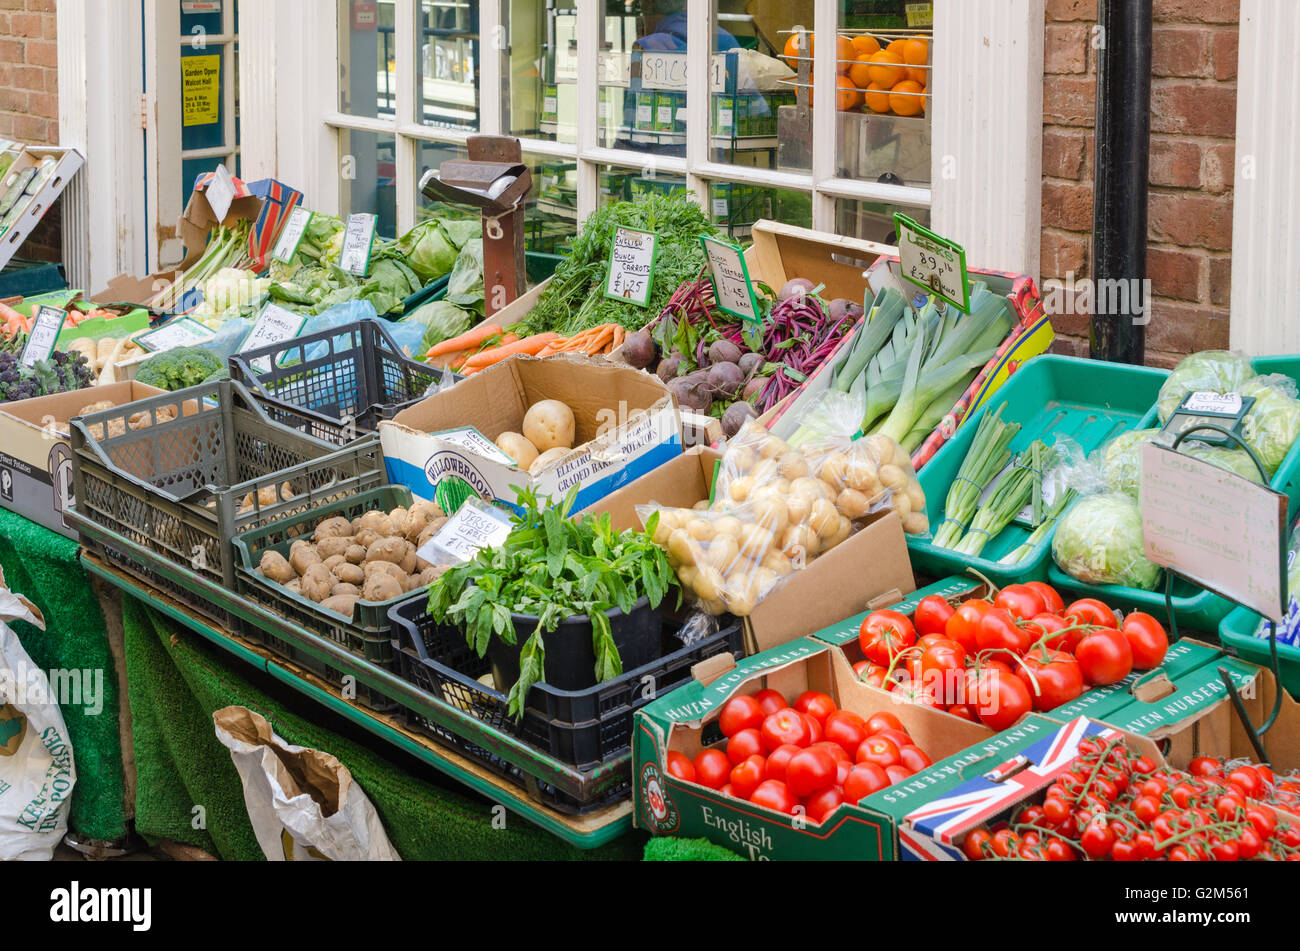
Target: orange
(915, 51)
(847, 95)
(904, 104)
(858, 72)
(865, 45)
(886, 69)
(844, 54)
(896, 46)
(792, 51)
(877, 98)
(918, 74)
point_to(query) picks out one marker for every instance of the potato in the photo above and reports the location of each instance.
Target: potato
(418, 518)
(708, 584)
(408, 562)
(430, 530)
(741, 459)
(880, 447)
(96, 407)
(303, 556)
(862, 476)
(382, 587)
(681, 548)
(740, 488)
(340, 604)
(518, 448)
(765, 472)
(376, 568)
(295, 586)
(547, 459)
(916, 524)
(842, 532)
(344, 587)
(349, 573)
(355, 554)
(549, 424)
(687, 575)
(812, 487)
(431, 574)
(792, 465)
(755, 540)
(852, 504)
(701, 506)
(798, 507)
(800, 538)
(328, 547)
(336, 527)
(318, 582)
(825, 519)
(266, 496)
(712, 607)
(901, 504)
(893, 478)
(275, 567)
(377, 522)
(366, 537)
(701, 529)
(916, 495)
(777, 563)
(772, 514)
(388, 549)
(728, 525)
(334, 561)
(833, 470)
(721, 552)
(773, 447)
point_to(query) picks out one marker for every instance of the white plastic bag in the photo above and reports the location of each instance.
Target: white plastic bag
(303, 803)
(37, 772)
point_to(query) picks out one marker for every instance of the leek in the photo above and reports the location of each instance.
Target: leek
(873, 335)
(987, 456)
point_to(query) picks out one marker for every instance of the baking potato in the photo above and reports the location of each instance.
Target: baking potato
(383, 587)
(375, 568)
(852, 504)
(377, 522)
(275, 567)
(916, 524)
(546, 459)
(342, 604)
(388, 549)
(344, 588)
(409, 561)
(303, 556)
(318, 582)
(295, 586)
(333, 562)
(549, 424)
(349, 573)
(336, 527)
(433, 528)
(792, 465)
(366, 537)
(418, 517)
(329, 547)
(397, 518)
(431, 574)
(355, 554)
(518, 448)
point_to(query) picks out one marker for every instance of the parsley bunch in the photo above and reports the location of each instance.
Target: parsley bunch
(552, 567)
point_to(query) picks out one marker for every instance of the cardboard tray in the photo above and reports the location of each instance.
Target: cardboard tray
(68, 162)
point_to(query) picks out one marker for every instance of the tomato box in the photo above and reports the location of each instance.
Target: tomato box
(685, 721)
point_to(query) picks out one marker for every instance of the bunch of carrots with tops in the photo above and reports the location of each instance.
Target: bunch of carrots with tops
(12, 322)
(489, 344)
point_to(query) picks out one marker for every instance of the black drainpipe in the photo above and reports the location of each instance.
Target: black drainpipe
(1119, 204)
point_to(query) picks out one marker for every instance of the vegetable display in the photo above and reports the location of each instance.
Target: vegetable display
(551, 568)
(1112, 804)
(996, 658)
(805, 758)
(63, 372)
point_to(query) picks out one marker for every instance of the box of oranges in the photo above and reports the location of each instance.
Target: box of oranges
(886, 74)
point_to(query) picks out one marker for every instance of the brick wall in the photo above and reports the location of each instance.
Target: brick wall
(29, 98)
(1193, 123)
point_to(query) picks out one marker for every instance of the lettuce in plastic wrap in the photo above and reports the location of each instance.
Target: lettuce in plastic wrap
(1099, 541)
(1217, 371)
(1234, 460)
(1121, 460)
(1273, 423)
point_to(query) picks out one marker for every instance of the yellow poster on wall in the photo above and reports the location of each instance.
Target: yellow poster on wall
(200, 89)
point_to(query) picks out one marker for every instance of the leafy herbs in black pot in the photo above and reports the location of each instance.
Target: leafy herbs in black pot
(549, 570)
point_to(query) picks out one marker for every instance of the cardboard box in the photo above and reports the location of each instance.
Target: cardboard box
(67, 163)
(626, 425)
(35, 459)
(871, 565)
(686, 721)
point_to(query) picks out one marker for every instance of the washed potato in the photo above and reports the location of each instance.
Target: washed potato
(549, 424)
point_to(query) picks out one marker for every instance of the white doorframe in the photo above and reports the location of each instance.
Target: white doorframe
(104, 225)
(1265, 223)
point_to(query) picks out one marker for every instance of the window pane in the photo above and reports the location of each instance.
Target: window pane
(623, 184)
(551, 215)
(448, 59)
(542, 44)
(735, 206)
(643, 77)
(749, 82)
(366, 160)
(883, 128)
(367, 57)
(874, 221)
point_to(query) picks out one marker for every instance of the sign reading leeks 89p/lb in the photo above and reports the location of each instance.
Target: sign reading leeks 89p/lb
(933, 262)
(632, 266)
(1216, 528)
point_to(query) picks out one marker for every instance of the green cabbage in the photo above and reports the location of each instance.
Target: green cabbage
(465, 286)
(462, 230)
(1272, 424)
(441, 319)
(1121, 460)
(428, 250)
(1099, 541)
(1216, 371)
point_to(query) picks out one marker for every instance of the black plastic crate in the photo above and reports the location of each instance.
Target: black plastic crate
(582, 728)
(359, 378)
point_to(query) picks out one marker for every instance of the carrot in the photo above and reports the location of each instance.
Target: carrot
(599, 341)
(470, 338)
(529, 345)
(619, 336)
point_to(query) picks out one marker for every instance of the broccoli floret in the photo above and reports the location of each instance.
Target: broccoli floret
(179, 368)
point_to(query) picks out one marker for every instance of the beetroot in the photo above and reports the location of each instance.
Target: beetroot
(692, 392)
(735, 417)
(639, 350)
(723, 351)
(750, 364)
(796, 287)
(726, 379)
(669, 367)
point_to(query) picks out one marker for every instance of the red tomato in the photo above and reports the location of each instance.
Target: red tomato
(932, 614)
(999, 699)
(863, 780)
(943, 668)
(740, 713)
(815, 731)
(963, 711)
(728, 791)
(873, 675)
(1051, 600)
(847, 729)
(1090, 611)
(680, 766)
(1058, 677)
(778, 760)
(965, 622)
(879, 750)
(1249, 780)
(834, 749)
(810, 771)
(897, 773)
(1022, 601)
(1147, 640)
(883, 721)
(883, 634)
(1104, 656)
(998, 630)
(746, 743)
(770, 701)
(914, 758)
(785, 726)
(815, 704)
(899, 737)
(712, 768)
(747, 776)
(1046, 625)
(977, 845)
(774, 794)
(820, 805)
(842, 769)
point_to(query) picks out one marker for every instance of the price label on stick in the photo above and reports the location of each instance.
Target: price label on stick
(274, 325)
(220, 192)
(1215, 527)
(475, 525)
(291, 237)
(45, 333)
(933, 262)
(732, 288)
(358, 240)
(177, 332)
(632, 266)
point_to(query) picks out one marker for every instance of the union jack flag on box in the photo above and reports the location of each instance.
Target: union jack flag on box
(935, 831)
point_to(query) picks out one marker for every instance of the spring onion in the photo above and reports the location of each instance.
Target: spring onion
(1010, 495)
(1039, 534)
(987, 456)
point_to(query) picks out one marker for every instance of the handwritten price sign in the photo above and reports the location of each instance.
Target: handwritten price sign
(632, 266)
(933, 262)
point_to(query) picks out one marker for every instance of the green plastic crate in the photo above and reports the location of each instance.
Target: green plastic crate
(1238, 631)
(1087, 400)
(1194, 607)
